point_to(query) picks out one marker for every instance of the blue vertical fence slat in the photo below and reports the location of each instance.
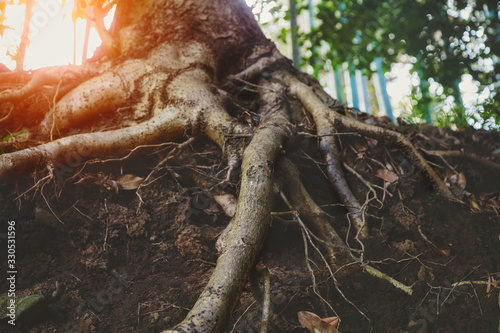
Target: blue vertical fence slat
(364, 84)
(295, 38)
(311, 26)
(354, 90)
(338, 84)
(385, 103)
(383, 87)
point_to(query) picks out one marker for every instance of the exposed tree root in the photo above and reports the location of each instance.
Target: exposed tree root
(311, 212)
(318, 219)
(200, 111)
(251, 221)
(102, 93)
(264, 296)
(306, 236)
(266, 304)
(177, 92)
(68, 152)
(72, 75)
(328, 146)
(311, 102)
(469, 156)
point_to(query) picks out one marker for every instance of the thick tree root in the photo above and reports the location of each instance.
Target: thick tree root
(312, 103)
(67, 153)
(470, 156)
(308, 209)
(102, 93)
(193, 109)
(72, 75)
(245, 239)
(318, 220)
(327, 144)
(181, 99)
(328, 147)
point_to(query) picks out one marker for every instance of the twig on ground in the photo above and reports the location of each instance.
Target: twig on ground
(266, 302)
(243, 314)
(431, 244)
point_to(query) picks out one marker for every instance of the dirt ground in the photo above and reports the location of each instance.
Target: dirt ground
(117, 260)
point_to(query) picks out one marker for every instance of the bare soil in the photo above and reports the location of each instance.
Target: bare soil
(122, 265)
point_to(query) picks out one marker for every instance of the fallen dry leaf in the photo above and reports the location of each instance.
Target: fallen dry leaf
(315, 324)
(442, 246)
(372, 143)
(360, 144)
(494, 202)
(475, 206)
(349, 161)
(332, 320)
(387, 175)
(458, 180)
(129, 182)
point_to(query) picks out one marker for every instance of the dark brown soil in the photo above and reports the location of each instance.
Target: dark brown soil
(122, 266)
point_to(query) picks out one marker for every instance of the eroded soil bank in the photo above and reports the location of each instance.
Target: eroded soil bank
(121, 262)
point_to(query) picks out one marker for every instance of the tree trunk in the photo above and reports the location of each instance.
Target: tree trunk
(21, 53)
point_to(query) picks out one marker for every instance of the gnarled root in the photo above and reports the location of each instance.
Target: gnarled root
(68, 152)
(312, 103)
(70, 75)
(311, 212)
(183, 100)
(318, 220)
(251, 221)
(100, 94)
(328, 146)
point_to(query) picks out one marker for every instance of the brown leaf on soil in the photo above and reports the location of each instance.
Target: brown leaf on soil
(494, 203)
(372, 143)
(442, 246)
(458, 180)
(129, 182)
(332, 320)
(361, 148)
(315, 324)
(349, 161)
(387, 175)
(475, 206)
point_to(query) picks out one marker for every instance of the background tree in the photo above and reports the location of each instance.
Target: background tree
(21, 49)
(445, 40)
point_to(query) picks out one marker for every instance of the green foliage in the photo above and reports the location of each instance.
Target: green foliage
(489, 113)
(9, 137)
(445, 38)
(12, 136)
(436, 198)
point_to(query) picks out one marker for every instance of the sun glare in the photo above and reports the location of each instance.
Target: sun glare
(52, 33)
